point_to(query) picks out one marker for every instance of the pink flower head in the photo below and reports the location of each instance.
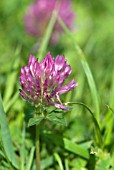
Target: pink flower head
(42, 83)
(39, 14)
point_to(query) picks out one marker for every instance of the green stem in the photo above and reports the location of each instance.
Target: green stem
(97, 127)
(37, 148)
(49, 31)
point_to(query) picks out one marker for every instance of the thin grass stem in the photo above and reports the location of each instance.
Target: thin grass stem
(37, 148)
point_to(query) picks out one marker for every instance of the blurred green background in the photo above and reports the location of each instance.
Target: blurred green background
(94, 32)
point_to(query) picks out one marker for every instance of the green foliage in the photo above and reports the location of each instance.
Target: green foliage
(74, 148)
(6, 138)
(34, 121)
(56, 118)
(83, 137)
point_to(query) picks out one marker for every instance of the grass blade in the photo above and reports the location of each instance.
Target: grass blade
(58, 159)
(48, 33)
(10, 83)
(11, 78)
(11, 101)
(66, 165)
(29, 162)
(45, 163)
(97, 127)
(75, 148)
(112, 90)
(22, 150)
(6, 138)
(109, 118)
(87, 70)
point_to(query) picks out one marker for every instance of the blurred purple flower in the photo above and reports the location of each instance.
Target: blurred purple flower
(42, 83)
(39, 14)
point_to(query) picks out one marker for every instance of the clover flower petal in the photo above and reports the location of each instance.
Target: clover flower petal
(42, 83)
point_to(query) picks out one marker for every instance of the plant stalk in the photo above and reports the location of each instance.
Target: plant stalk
(37, 148)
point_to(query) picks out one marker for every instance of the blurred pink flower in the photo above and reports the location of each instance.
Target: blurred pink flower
(42, 83)
(39, 14)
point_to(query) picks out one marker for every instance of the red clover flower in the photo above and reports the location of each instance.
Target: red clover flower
(39, 14)
(42, 83)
